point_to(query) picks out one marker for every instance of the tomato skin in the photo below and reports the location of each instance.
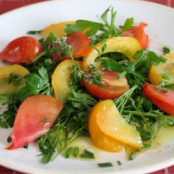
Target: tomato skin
(113, 87)
(79, 43)
(109, 130)
(77, 40)
(99, 138)
(21, 50)
(163, 100)
(29, 122)
(139, 33)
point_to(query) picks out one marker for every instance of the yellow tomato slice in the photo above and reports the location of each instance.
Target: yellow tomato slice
(5, 71)
(158, 72)
(126, 45)
(109, 130)
(56, 29)
(61, 78)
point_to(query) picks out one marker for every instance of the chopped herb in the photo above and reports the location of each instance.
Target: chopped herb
(10, 78)
(119, 163)
(145, 58)
(15, 79)
(99, 31)
(87, 154)
(132, 156)
(165, 76)
(34, 32)
(165, 90)
(26, 146)
(45, 119)
(104, 47)
(69, 152)
(166, 50)
(105, 164)
(128, 24)
(9, 139)
(121, 74)
(76, 151)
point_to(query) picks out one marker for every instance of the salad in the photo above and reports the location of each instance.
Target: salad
(89, 79)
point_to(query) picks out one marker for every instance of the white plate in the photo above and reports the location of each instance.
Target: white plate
(35, 17)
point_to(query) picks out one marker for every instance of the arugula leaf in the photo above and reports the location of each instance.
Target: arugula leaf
(81, 25)
(99, 31)
(9, 109)
(71, 123)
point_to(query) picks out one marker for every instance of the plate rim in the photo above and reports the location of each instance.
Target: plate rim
(167, 164)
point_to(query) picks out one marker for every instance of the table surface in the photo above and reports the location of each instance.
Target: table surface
(7, 5)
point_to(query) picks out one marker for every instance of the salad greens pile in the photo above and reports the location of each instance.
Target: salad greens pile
(72, 121)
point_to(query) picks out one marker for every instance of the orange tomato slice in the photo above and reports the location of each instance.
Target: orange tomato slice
(108, 129)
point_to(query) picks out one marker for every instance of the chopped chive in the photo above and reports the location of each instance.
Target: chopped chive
(165, 76)
(90, 82)
(69, 152)
(103, 41)
(17, 80)
(87, 154)
(105, 164)
(166, 50)
(26, 146)
(45, 119)
(104, 47)
(76, 151)
(10, 78)
(119, 163)
(3, 61)
(9, 139)
(165, 90)
(121, 74)
(132, 156)
(34, 32)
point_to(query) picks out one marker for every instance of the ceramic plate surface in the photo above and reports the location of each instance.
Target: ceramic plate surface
(35, 17)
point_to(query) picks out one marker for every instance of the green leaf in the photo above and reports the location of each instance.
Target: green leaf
(165, 76)
(81, 25)
(166, 50)
(43, 73)
(145, 58)
(128, 24)
(112, 65)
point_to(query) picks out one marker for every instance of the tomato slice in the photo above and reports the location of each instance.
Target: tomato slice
(112, 88)
(34, 118)
(139, 33)
(5, 71)
(79, 43)
(109, 130)
(164, 100)
(21, 50)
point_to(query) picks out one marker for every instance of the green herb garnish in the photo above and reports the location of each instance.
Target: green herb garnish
(105, 164)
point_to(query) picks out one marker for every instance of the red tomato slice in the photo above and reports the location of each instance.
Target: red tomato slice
(113, 87)
(139, 33)
(79, 43)
(21, 50)
(34, 118)
(163, 100)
